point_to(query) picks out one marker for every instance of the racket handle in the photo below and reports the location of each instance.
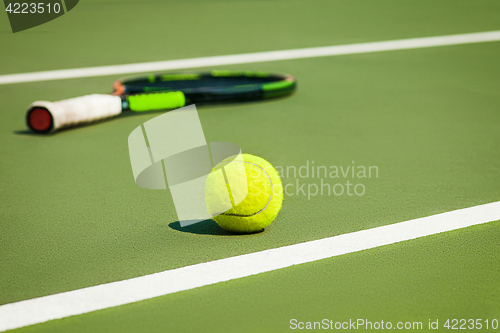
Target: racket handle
(45, 117)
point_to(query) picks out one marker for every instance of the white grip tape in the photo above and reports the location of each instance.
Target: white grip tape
(79, 110)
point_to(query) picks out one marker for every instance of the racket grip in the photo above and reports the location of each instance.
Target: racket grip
(46, 117)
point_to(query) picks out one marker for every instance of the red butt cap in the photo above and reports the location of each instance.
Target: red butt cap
(39, 119)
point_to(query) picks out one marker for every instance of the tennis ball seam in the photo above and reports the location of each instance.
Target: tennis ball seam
(270, 197)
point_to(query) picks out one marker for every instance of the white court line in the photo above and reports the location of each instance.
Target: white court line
(42, 309)
(401, 44)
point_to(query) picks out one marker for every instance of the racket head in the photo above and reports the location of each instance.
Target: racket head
(214, 86)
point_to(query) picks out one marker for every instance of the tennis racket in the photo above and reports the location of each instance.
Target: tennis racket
(158, 92)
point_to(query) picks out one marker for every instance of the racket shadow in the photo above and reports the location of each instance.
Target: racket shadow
(64, 129)
(207, 227)
(231, 103)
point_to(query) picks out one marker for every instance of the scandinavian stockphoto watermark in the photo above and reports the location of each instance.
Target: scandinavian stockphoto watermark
(359, 324)
(170, 151)
(311, 179)
(367, 324)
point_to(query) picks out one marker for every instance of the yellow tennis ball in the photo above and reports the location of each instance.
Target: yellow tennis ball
(244, 193)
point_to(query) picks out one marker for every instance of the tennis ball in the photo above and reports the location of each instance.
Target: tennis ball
(244, 193)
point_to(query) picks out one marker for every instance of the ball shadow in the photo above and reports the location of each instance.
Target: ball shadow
(207, 227)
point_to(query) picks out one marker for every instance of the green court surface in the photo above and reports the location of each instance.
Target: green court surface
(427, 119)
